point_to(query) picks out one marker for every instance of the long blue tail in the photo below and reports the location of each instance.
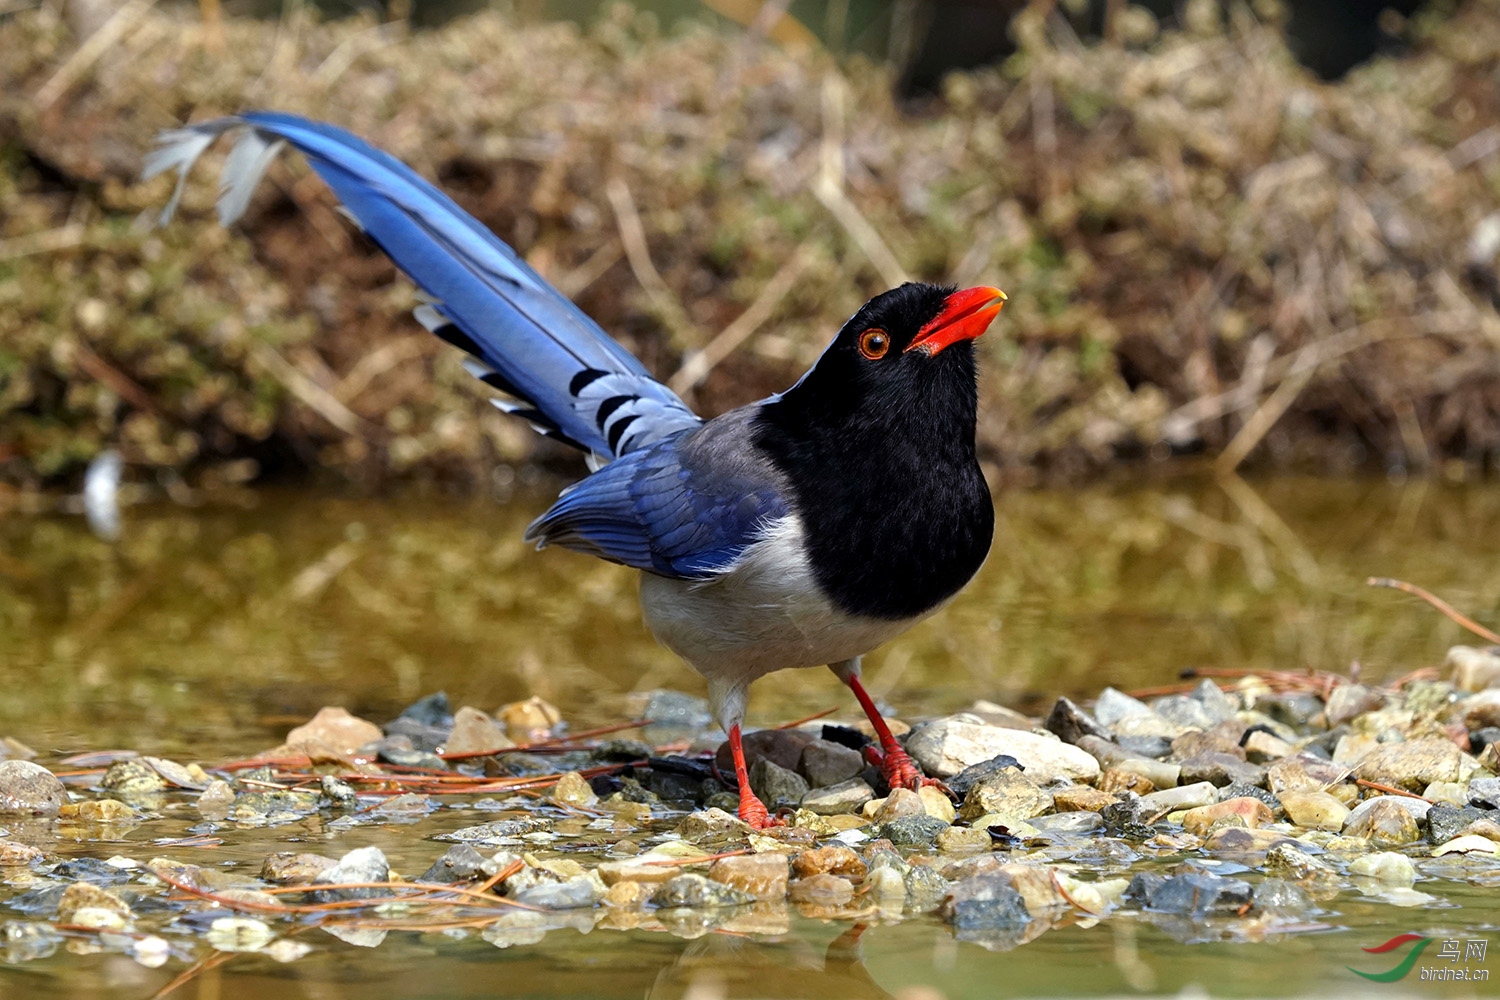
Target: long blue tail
(573, 381)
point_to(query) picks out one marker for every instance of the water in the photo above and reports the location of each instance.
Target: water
(207, 632)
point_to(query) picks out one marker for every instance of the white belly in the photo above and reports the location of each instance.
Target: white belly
(765, 614)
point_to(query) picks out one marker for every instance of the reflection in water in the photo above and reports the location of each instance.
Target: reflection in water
(210, 630)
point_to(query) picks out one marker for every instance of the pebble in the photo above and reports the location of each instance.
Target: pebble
(1481, 709)
(1196, 894)
(946, 746)
(1115, 782)
(1282, 898)
(912, 831)
(696, 892)
(1009, 793)
(985, 902)
(1387, 821)
(239, 934)
(901, 802)
(1386, 866)
(1184, 797)
(831, 860)
(1113, 705)
(1239, 840)
(1068, 722)
(963, 839)
(1415, 764)
(363, 864)
(1220, 769)
(83, 895)
(936, 804)
(711, 823)
(1474, 669)
(845, 797)
(1068, 823)
(289, 868)
(1482, 792)
(12, 853)
(1471, 844)
(573, 789)
(1349, 700)
(1290, 862)
(337, 728)
(823, 890)
(1161, 774)
(98, 811)
(775, 785)
(824, 763)
(214, 801)
(1264, 747)
(763, 876)
(782, 747)
(1315, 810)
(474, 731)
(1077, 798)
(1253, 812)
(131, 778)
(28, 789)
(529, 720)
(569, 895)
(459, 863)
(972, 775)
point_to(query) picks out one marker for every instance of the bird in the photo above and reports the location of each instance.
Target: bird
(803, 530)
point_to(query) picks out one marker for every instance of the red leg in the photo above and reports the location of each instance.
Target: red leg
(752, 810)
(899, 769)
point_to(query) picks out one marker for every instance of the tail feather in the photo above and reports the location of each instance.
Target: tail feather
(577, 383)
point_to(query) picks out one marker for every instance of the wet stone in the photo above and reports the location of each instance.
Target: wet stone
(572, 789)
(28, 789)
(1412, 765)
(475, 731)
(1112, 706)
(1077, 798)
(822, 890)
(1253, 812)
(984, 902)
(925, 889)
(946, 747)
(92, 871)
(1288, 862)
(363, 864)
(1240, 790)
(782, 747)
(401, 751)
(289, 868)
(831, 860)
(962, 839)
(913, 831)
(697, 892)
(845, 797)
(497, 832)
(775, 785)
(963, 781)
(1221, 769)
(710, 823)
(901, 802)
(128, 778)
(1446, 822)
(1282, 898)
(84, 895)
(1067, 823)
(337, 728)
(1315, 810)
(1148, 747)
(569, 895)
(1387, 821)
(1483, 792)
(12, 853)
(763, 876)
(239, 934)
(214, 801)
(458, 864)
(1068, 722)
(825, 763)
(1198, 894)
(1009, 793)
(1184, 797)
(25, 941)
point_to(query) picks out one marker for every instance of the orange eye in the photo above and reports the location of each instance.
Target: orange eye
(874, 343)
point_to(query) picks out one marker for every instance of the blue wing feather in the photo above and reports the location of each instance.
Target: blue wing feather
(654, 511)
(590, 390)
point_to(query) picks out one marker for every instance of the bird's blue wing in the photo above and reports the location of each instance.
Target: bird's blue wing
(574, 381)
(655, 511)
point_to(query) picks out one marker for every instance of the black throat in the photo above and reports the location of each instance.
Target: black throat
(896, 514)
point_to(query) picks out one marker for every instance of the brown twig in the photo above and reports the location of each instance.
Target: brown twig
(1437, 602)
(1389, 790)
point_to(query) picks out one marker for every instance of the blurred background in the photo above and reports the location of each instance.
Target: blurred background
(1257, 232)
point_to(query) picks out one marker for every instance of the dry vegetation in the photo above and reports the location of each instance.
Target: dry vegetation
(1206, 249)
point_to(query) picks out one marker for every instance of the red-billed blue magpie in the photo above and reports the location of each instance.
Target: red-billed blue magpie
(799, 531)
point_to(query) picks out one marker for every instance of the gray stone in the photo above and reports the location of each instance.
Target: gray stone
(912, 831)
(1242, 790)
(696, 892)
(569, 895)
(499, 832)
(1068, 722)
(1284, 899)
(845, 797)
(1184, 711)
(1010, 793)
(1068, 823)
(1152, 747)
(1113, 705)
(1160, 773)
(28, 789)
(783, 747)
(458, 863)
(945, 747)
(775, 785)
(985, 902)
(925, 889)
(1350, 700)
(363, 864)
(1198, 894)
(1185, 797)
(1446, 822)
(1485, 792)
(1415, 764)
(827, 763)
(1387, 821)
(970, 776)
(1221, 769)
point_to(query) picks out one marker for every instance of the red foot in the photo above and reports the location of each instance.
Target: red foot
(899, 770)
(753, 811)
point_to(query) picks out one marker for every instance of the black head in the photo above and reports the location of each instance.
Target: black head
(877, 441)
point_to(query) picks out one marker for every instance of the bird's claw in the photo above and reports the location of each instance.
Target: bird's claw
(900, 771)
(753, 811)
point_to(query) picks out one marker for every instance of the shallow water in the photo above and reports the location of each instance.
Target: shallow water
(209, 631)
